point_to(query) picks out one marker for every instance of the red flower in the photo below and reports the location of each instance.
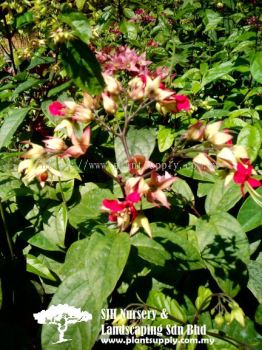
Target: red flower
(182, 103)
(57, 108)
(123, 213)
(175, 103)
(243, 176)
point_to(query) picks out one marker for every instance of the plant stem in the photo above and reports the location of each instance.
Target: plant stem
(60, 186)
(8, 239)
(10, 44)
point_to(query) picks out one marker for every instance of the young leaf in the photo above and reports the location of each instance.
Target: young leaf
(250, 138)
(35, 266)
(165, 138)
(250, 214)
(161, 301)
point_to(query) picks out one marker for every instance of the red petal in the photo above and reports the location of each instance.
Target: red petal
(254, 183)
(56, 108)
(112, 204)
(134, 197)
(112, 218)
(239, 178)
(243, 170)
(182, 103)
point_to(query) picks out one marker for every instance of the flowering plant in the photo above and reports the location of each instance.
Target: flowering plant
(130, 168)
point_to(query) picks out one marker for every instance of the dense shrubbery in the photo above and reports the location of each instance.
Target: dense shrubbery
(130, 167)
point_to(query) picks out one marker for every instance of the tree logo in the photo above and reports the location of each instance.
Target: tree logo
(62, 315)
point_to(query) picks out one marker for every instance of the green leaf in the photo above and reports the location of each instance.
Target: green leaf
(55, 223)
(250, 138)
(39, 240)
(221, 197)
(11, 123)
(203, 188)
(87, 285)
(139, 141)
(81, 66)
(34, 265)
(26, 85)
(224, 248)
(129, 29)
(212, 20)
(8, 186)
(181, 187)
(128, 13)
(255, 278)
(181, 245)
(247, 335)
(258, 315)
(66, 169)
(56, 90)
(161, 301)
(24, 19)
(150, 250)
(203, 299)
(189, 170)
(250, 214)
(89, 207)
(79, 23)
(80, 4)
(39, 60)
(165, 138)
(217, 72)
(67, 188)
(256, 67)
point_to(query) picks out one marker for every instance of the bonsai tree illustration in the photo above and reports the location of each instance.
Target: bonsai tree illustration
(62, 315)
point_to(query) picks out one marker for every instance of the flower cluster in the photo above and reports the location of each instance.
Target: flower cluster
(124, 213)
(232, 157)
(74, 120)
(144, 86)
(122, 58)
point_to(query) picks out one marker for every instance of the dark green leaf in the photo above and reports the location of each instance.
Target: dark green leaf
(224, 248)
(150, 250)
(88, 284)
(79, 24)
(26, 85)
(39, 60)
(81, 66)
(11, 123)
(55, 223)
(89, 207)
(24, 19)
(255, 278)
